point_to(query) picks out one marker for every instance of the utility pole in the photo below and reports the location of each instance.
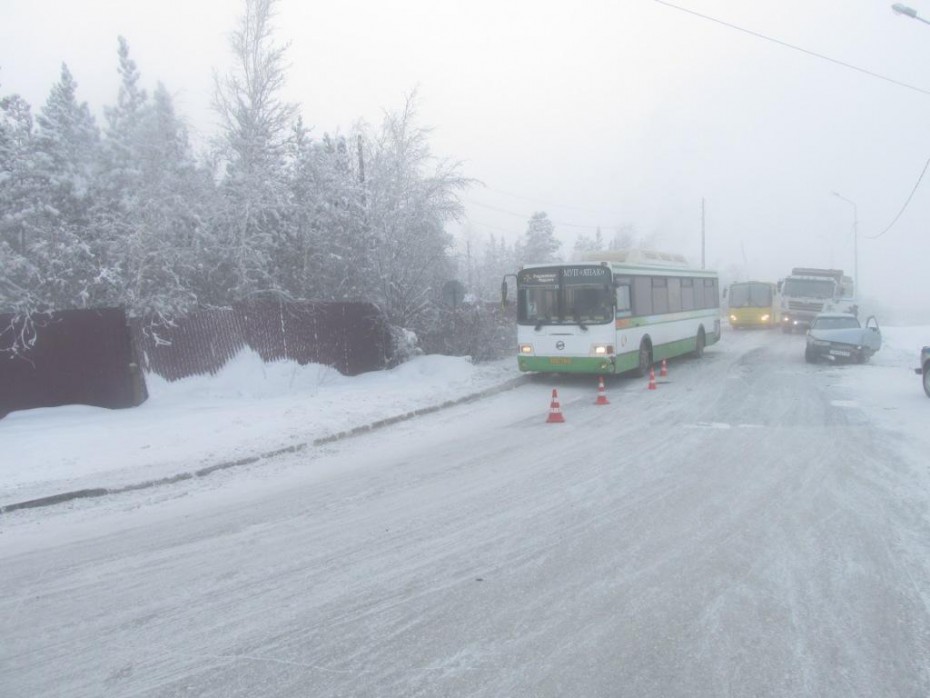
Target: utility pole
(856, 279)
(361, 170)
(468, 259)
(703, 234)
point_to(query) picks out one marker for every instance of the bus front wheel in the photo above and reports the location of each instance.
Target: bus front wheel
(645, 359)
(699, 344)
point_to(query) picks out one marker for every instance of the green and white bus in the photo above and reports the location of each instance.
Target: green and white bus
(618, 311)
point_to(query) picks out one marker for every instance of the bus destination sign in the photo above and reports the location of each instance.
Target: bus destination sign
(586, 275)
(539, 277)
(572, 275)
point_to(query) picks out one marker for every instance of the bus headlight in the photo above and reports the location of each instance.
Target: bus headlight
(526, 349)
(765, 318)
(603, 349)
(732, 318)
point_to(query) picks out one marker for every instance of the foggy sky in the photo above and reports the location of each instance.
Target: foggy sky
(601, 114)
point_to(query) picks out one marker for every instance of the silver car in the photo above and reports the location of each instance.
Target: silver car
(840, 337)
(924, 369)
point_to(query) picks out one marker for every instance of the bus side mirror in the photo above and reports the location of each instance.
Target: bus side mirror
(504, 292)
(778, 287)
(725, 292)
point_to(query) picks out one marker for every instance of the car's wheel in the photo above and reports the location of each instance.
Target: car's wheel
(809, 356)
(927, 379)
(645, 358)
(699, 344)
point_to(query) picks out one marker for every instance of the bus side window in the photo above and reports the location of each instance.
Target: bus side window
(623, 300)
(699, 294)
(674, 295)
(711, 298)
(687, 294)
(642, 295)
(659, 294)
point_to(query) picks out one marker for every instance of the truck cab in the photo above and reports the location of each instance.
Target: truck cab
(808, 291)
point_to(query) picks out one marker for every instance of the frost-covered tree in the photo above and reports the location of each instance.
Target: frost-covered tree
(410, 195)
(327, 251)
(585, 244)
(150, 200)
(118, 184)
(68, 145)
(173, 201)
(70, 258)
(124, 119)
(539, 243)
(129, 217)
(624, 238)
(298, 246)
(498, 259)
(18, 193)
(20, 206)
(256, 127)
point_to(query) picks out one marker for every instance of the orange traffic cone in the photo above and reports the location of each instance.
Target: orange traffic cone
(601, 392)
(652, 379)
(555, 411)
(664, 371)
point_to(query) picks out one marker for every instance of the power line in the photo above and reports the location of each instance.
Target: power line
(906, 203)
(796, 48)
(493, 227)
(541, 201)
(526, 217)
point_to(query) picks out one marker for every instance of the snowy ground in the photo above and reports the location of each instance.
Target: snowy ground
(247, 410)
(756, 526)
(251, 409)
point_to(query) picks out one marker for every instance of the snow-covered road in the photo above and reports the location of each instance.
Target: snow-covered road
(756, 526)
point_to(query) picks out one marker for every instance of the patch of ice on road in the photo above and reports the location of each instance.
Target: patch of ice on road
(844, 403)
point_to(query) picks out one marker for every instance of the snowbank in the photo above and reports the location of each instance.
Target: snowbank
(247, 409)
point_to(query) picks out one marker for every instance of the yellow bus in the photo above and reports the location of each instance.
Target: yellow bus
(752, 304)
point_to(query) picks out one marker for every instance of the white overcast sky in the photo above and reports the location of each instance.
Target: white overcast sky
(599, 113)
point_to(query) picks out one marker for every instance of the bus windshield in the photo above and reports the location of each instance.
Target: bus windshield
(565, 296)
(809, 288)
(750, 296)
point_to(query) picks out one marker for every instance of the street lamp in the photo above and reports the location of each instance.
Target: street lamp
(855, 242)
(908, 11)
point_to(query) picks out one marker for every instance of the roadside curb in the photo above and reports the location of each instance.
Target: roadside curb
(88, 493)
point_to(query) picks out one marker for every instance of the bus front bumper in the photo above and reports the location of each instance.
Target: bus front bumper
(568, 364)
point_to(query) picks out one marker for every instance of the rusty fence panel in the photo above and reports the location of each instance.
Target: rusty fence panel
(197, 344)
(351, 337)
(82, 357)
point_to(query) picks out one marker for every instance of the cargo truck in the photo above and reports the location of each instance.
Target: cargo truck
(808, 291)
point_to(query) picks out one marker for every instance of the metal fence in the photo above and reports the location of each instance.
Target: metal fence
(82, 357)
(97, 357)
